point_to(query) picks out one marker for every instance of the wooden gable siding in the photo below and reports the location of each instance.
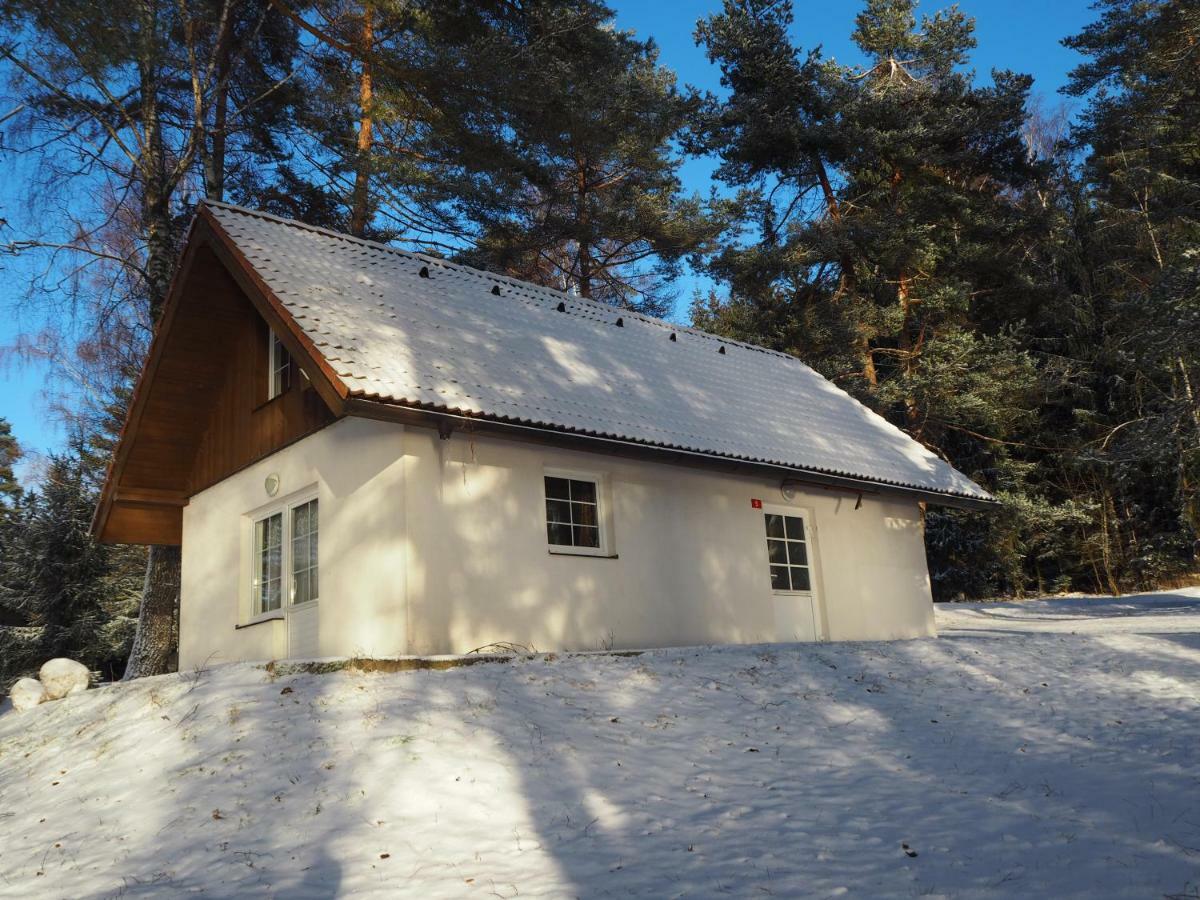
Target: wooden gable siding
(205, 414)
(244, 425)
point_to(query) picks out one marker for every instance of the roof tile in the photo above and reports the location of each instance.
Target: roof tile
(446, 341)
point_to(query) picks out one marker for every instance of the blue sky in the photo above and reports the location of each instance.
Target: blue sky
(1022, 35)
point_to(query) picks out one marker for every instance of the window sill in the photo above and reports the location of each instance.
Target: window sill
(571, 551)
(274, 615)
(267, 403)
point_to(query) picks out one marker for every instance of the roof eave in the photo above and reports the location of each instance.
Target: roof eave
(324, 378)
(441, 419)
(137, 402)
(205, 230)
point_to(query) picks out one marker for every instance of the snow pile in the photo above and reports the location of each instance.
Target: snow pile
(26, 693)
(1002, 759)
(56, 679)
(63, 676)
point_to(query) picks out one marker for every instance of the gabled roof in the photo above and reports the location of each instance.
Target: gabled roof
(405, 329)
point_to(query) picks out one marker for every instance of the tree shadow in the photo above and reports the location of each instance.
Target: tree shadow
(1056, 765)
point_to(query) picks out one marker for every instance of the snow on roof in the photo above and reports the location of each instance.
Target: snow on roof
(409, 329)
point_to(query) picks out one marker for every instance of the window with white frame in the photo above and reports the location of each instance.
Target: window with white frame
(787, 553)
(280, 368)
(574, 522)
(285, 567)
(268, 563)
(304, 552)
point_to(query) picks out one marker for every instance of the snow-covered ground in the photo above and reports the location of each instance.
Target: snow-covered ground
(1047, 749)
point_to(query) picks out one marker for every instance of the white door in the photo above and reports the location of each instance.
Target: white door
(303, 614)
(791, 560)
(795, 618)
(302, 630)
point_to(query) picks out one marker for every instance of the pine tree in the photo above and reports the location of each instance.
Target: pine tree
(565, 167)
(885, 200)
(133, 104)
(10, 453)
(20, 651)
(1129, 256)
(1139, 128)
(75, 597)
(532, 139)
(61, 564)
(11, 514)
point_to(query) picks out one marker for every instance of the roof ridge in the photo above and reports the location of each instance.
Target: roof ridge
(516, 282)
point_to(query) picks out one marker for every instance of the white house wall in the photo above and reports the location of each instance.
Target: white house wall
(357, 470)
(431, 546)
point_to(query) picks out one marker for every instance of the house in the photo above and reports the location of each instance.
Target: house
(369, 451)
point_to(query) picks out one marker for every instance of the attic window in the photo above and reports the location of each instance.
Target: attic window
(280, 368)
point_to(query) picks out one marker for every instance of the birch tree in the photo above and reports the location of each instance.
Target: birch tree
(130, 107)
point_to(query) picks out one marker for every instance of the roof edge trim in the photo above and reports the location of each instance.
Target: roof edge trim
(427, 416)
(141, 388)
(327, 381)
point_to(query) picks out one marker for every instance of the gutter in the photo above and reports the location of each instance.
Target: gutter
(446, 422)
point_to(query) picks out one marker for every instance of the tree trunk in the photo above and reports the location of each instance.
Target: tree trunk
(1188, 395)
(867, 355)
(585, 271)
(155, 640)
(362, 161)
(831, 203)
(214, 163)
(1107, 514)
(160, 250)
(583, 223)
(156, 200)
(846, 283)
(1191, 501)
(157, 635)
(909, 352)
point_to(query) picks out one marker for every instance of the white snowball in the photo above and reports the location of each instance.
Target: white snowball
(63, 676)
(26, 693)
